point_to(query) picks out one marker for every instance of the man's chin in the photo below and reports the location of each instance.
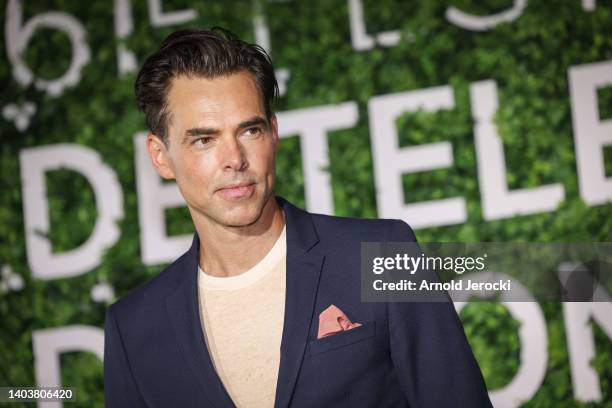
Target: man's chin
(242, 215)
(240, 221)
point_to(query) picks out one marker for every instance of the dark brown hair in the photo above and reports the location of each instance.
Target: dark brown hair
(201, 53)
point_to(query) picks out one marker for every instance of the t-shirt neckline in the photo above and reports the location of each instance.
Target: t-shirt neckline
(249, 277)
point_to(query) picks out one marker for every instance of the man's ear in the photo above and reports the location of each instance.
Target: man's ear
(159, 156)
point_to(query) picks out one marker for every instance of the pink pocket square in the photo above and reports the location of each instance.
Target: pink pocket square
(333, 320)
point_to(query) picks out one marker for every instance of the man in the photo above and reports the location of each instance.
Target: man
(236, 320)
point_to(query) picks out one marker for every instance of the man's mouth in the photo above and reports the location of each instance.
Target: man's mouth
(239, 190)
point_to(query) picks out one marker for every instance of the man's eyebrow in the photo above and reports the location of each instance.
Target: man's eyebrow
(254, 121)
(199, 131)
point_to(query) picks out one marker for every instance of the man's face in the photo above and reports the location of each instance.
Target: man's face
(219, 138)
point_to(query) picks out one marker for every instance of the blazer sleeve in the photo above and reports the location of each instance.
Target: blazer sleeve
(120, 389)
(429, 349)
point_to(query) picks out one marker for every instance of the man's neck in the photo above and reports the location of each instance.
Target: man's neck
(226, 252)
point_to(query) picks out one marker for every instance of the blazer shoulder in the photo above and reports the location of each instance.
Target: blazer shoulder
(148, 294)
(363, 229)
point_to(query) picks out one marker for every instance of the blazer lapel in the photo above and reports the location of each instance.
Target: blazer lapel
(184, 314)
(303, 270)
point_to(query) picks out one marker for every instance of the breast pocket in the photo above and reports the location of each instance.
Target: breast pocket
(342, 339)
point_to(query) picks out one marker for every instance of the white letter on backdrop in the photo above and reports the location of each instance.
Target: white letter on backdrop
(124, 25)
(48, 344)
(154, 197)
(18, 36)
(497, 201)
(160, 19)
(35, 162)
(391, 161)
(579, 318)
(262, 38)
(532, 335)
(483, 23)
(591, 133)
(312, 125)
(359, 37)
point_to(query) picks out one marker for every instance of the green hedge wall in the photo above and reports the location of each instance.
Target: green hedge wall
(528, 58)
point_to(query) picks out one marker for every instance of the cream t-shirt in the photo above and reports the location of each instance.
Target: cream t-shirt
(243, 324)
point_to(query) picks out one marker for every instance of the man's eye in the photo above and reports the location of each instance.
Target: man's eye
(253, 131)
(203, 140)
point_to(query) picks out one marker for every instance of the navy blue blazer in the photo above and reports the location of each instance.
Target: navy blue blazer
(404, 354)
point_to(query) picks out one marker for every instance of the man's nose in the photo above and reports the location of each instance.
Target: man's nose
(233, 155)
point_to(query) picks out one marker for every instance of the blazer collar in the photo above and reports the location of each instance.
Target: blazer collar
(302, 278)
